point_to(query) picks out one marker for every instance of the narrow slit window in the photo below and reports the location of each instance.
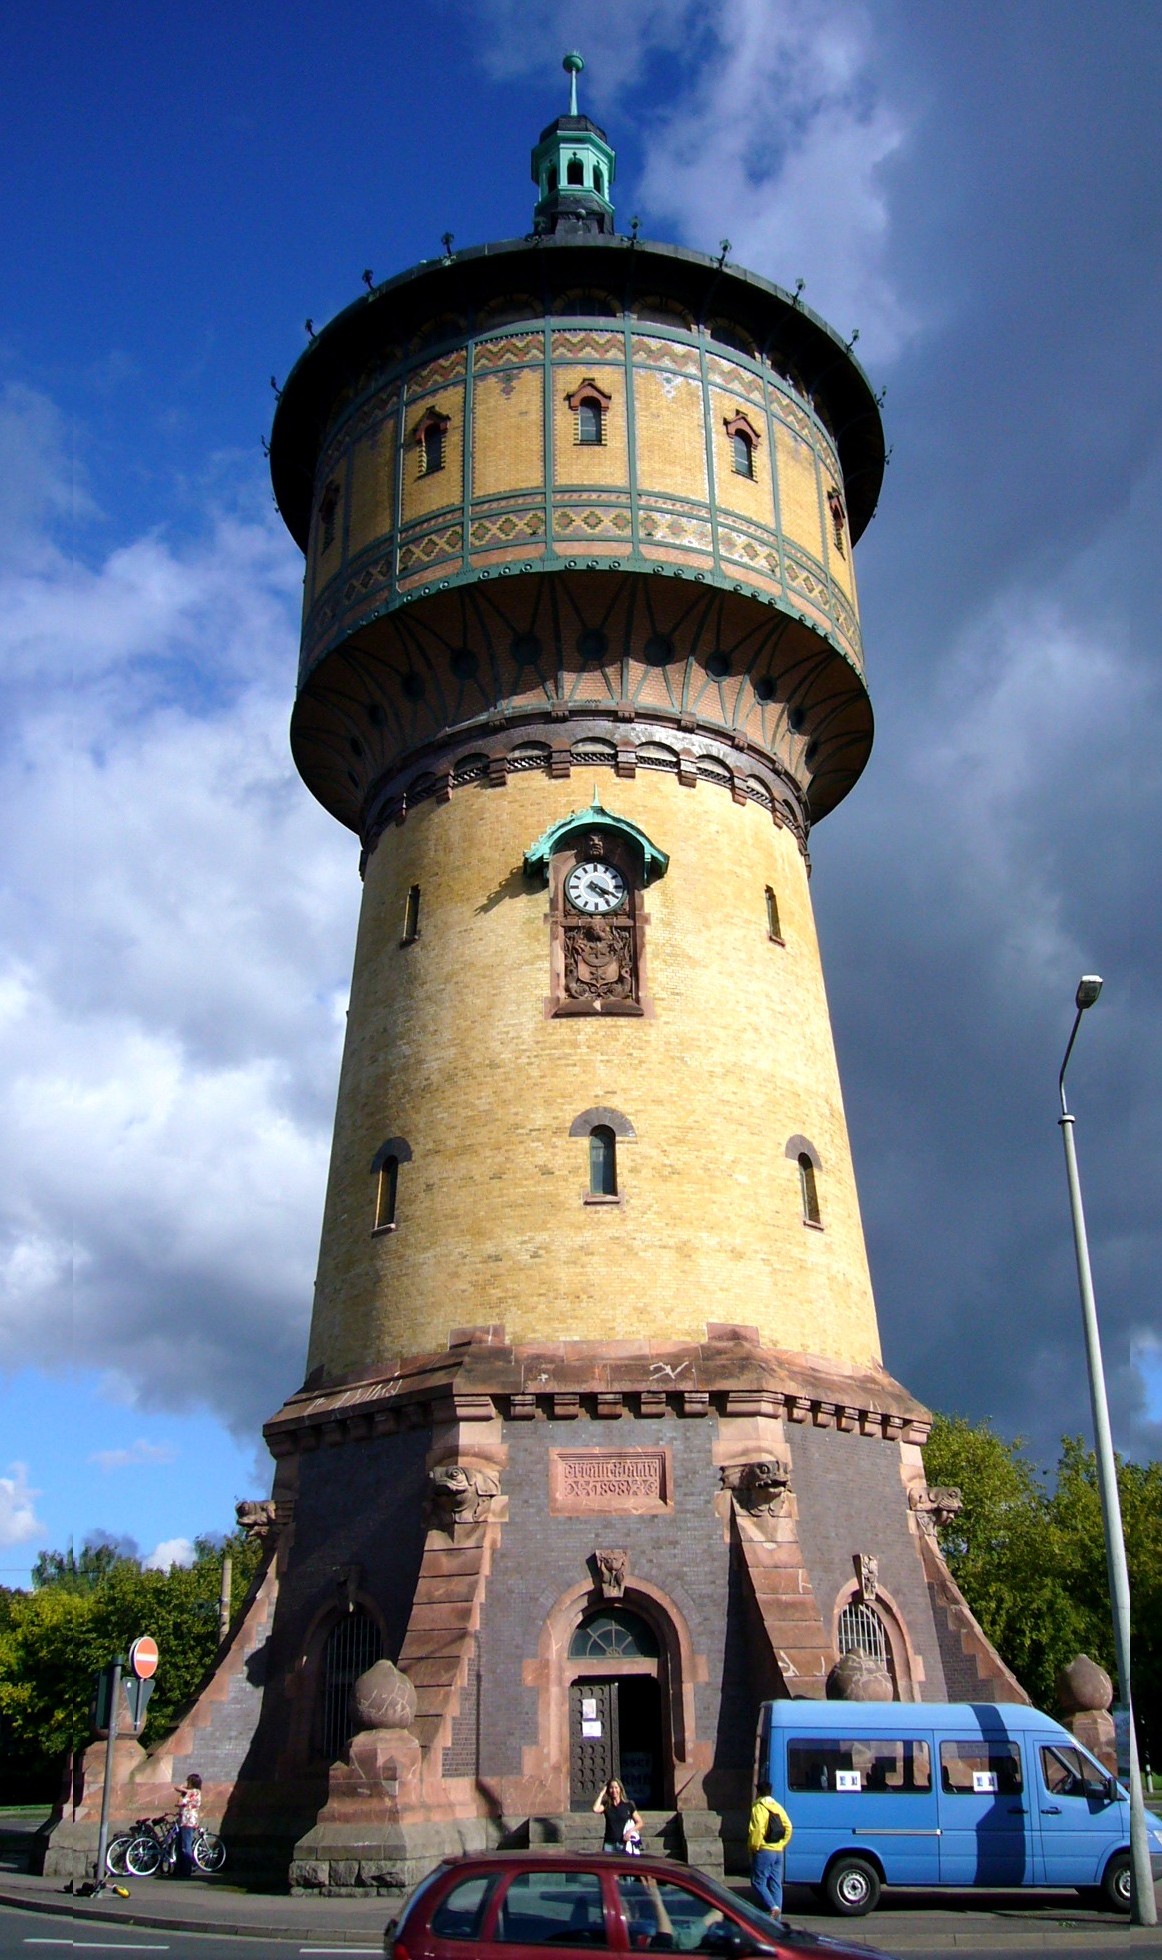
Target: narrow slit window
(810, 1190)
(589, 422)
(576, 171)
(742, 454)
(411, 917)
(774, 930)
(433, 449)
(602, 1162)
(328, 511)
(386, 1189)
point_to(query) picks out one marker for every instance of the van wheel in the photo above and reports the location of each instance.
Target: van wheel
(1115, 1883)
(852, 1887)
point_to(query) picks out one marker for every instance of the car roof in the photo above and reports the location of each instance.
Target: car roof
(540, 1855)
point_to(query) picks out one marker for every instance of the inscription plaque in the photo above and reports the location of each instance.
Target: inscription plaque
(583, 1483)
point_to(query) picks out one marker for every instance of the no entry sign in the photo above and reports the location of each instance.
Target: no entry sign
(143, 1657)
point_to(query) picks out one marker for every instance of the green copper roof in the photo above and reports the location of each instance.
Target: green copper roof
(655, 863)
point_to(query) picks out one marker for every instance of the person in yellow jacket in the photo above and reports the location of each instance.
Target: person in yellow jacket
(766, 1840)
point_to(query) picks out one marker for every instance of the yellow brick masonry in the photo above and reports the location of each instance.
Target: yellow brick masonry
(448, 1046)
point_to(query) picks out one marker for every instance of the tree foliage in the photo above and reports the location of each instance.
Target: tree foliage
(1028, 1554)
(84, 1611)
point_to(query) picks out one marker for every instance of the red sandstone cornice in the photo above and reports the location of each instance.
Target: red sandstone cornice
(481, 1377)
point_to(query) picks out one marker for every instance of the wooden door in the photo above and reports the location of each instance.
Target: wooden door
(593, 1750)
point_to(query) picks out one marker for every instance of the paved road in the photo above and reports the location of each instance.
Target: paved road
(28, 1935)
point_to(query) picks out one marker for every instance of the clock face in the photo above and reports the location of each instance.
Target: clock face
(595, 887)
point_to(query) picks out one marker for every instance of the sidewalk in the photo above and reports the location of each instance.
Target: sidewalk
(909, 1924)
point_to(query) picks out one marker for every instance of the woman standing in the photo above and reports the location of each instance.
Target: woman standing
(189, 1817)
(619, 1812)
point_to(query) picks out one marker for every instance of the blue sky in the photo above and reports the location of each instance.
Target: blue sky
(975, 188)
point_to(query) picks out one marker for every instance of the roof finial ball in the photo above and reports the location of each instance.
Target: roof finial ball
(573, 65)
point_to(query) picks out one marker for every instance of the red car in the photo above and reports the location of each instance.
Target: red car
(512, 1905)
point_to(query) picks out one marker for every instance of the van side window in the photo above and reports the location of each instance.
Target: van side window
(980, 1769)
(1068, 1773)
(891, 1764)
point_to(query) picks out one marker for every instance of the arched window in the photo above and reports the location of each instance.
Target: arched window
(598, 182)
(742, 453)
(838, 518)
(613, 1634)
(861, 1631)
(428, 435)
(810, 1190)
(385, 1170)
(589, 422)
(575, 173)
(411, 916)
(774, 930)
(433, 449)
(328, 508)
(386, 1192)
(552, 178)
(353, 1645)
(588, 403)
(602, 1162)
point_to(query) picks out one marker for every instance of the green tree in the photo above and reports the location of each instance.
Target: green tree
(55, 1638)
(1029, 1557)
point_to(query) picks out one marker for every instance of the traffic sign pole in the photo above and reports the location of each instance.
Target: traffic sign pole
(107, 1790)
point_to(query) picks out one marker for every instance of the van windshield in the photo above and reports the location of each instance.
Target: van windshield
(890, 1765)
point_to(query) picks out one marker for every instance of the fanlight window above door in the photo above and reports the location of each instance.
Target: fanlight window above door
(614, 1636)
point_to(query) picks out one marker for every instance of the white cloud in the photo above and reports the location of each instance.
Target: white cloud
(781, 147)
(18, 1519)
(776, 136)
(170, 1552)
(136, 1453)
(177, 918)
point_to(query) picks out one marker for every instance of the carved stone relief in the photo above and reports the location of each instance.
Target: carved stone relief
(759, 1487)
(612, 1567)
(460, 1495)
(867, 1575)
(935, 1505)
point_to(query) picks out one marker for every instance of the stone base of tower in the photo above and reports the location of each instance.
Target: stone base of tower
(588, 1560)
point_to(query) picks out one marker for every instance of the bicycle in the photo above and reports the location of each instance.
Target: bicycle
(154, 1847)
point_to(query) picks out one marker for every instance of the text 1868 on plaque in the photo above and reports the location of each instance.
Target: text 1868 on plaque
(583, 1482)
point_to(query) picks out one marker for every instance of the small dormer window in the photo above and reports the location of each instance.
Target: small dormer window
(744, 439)
(589, 404)
(328, 510)
(575, 174)
(429, 437)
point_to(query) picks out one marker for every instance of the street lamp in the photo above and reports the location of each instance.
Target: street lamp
(1142, 1906)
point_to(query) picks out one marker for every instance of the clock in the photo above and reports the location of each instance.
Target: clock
(595, 887)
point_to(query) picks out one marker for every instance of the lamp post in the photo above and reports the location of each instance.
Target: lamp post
(1142, 1906)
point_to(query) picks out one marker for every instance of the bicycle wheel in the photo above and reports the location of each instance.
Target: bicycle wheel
(209, 1852)
(115, 1855)
(143, 1855)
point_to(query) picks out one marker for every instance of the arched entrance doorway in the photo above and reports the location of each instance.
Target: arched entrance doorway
(616, 1725)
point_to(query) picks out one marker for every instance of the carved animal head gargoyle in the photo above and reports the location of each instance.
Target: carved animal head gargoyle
(760, 1487)
(257, 1518)
(935, 1505)
(458, 1494)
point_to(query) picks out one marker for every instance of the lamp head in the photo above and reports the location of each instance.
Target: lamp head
(1088, 989)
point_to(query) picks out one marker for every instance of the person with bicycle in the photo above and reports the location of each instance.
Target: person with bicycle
(189, 1816)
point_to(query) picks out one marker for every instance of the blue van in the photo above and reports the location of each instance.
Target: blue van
(942, 1793)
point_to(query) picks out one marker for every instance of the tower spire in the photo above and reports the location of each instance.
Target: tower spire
(573, 169)
(573, 64)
